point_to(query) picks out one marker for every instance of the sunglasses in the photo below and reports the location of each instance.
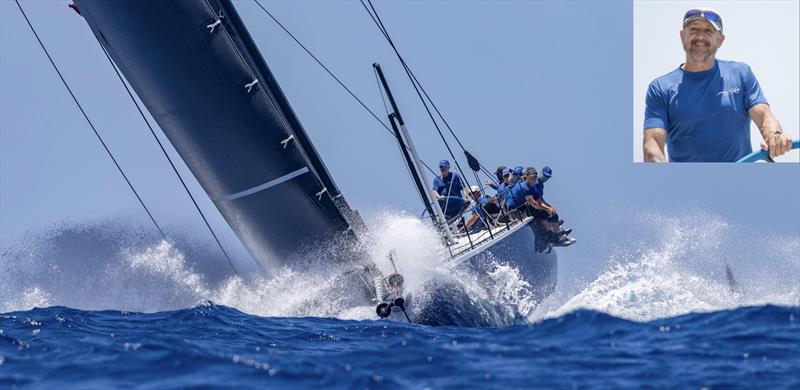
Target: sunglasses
(711, 16)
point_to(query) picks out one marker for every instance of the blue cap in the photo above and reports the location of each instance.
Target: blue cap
(518, 170)
(444, 163)
(506, 171)
(547, 172)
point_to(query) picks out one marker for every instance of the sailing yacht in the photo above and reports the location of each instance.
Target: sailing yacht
(199, 73)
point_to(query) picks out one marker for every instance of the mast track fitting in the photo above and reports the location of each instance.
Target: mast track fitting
(212, 28)
(286, 141)
(251, 85)
(319, 194)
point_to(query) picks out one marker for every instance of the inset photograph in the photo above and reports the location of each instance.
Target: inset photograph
(716, 82)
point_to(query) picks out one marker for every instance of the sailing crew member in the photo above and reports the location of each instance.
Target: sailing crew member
(501, 178)
(477, 221)
(514, 177)
(547, 173)
(702, 109)
(485, 210)
(524, 198)
(448, 190)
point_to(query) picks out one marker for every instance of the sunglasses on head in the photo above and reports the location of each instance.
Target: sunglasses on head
(708, 15)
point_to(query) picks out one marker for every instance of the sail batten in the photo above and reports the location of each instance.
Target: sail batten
(196, 69)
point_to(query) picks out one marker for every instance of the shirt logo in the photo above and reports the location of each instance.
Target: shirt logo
(729, 91)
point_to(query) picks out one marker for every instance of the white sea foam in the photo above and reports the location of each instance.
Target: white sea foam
(680, 269)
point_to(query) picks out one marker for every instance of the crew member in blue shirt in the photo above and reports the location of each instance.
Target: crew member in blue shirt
(501, 173)
(448, 190)
(702, 109)
(525, 198)
(484, 210)
(547, 173)
(514, 176)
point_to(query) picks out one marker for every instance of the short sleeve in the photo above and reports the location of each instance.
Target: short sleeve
(752, 90)
(437, 184)
(655, 112)
(534, 192)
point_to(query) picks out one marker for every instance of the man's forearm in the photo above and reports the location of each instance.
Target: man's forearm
(769, 126)
(653, 145)
(535, 204)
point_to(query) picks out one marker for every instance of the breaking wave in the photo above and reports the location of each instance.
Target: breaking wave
(679, 267)
(683, 270)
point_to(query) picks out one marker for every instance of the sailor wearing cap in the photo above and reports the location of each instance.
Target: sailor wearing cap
(525, 197)
(702, 109)
(501, 173)
(448, 190)
(482, 211)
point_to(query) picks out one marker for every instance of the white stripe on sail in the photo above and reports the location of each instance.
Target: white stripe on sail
(261, 187)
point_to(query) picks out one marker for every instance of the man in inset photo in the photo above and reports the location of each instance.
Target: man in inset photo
(702, 110)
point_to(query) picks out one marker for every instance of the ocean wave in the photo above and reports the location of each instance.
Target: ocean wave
(678, 270)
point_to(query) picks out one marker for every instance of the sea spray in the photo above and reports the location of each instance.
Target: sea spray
(679, 269)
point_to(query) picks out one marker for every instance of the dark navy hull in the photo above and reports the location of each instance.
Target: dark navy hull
(448, 303)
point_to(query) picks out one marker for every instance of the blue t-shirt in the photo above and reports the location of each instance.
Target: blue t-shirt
(501, 188)
(539, 186)
(705, 113)
(518, 192)
(444, 188)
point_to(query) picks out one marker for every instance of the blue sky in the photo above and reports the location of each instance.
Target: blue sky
(541, 83)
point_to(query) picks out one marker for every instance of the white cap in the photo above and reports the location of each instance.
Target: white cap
(475, 189)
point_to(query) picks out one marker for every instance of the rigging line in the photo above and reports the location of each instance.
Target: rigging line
(414, 81)
(334, 76)
(323, 66)
(385, 107)
(380, 90)
(171, 163)
(379, 23)
(376, 18)
(96, 133)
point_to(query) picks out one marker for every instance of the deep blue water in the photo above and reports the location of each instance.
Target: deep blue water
(211, 345)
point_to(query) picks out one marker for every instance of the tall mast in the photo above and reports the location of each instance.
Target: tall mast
(413, 161)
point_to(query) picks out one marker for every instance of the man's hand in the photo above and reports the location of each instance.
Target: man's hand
(777, 143)
(774, 140)
(653, 145)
